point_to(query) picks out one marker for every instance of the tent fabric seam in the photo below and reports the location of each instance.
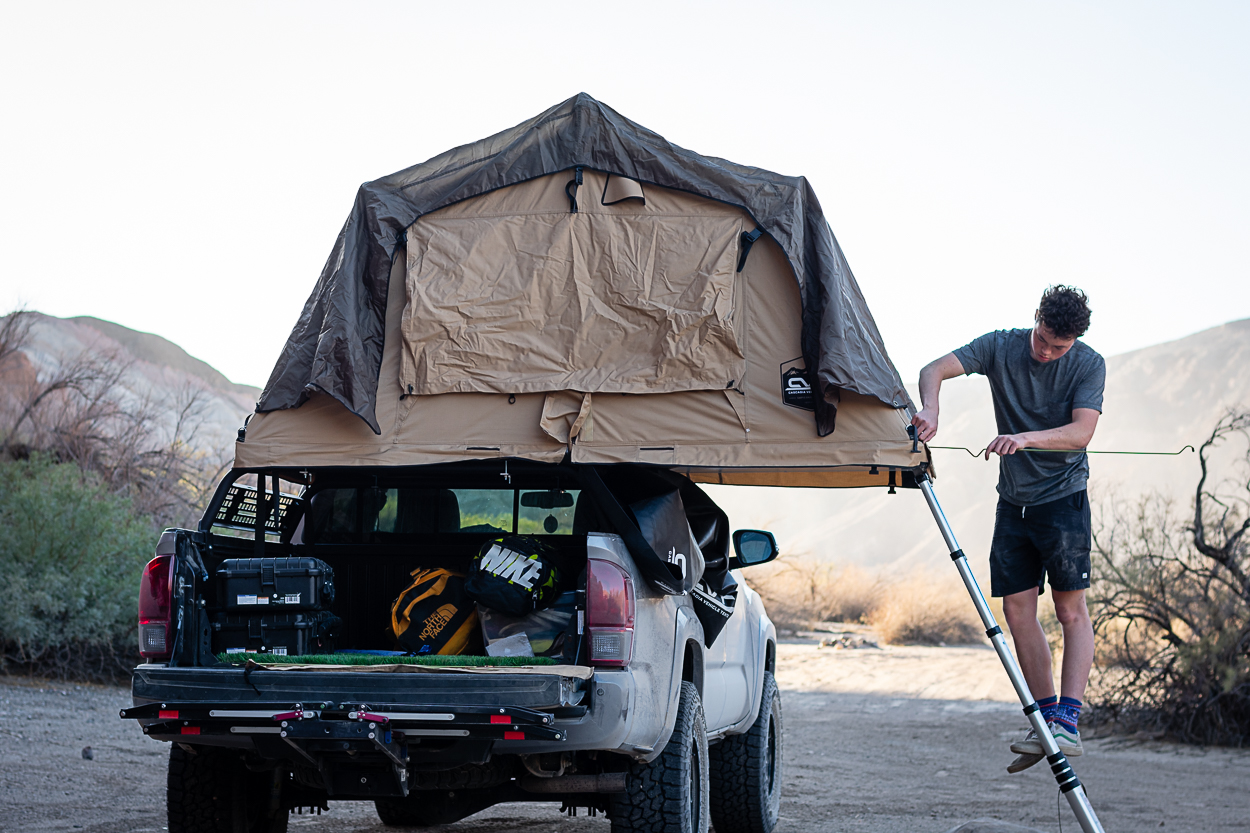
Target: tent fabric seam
(648, 215)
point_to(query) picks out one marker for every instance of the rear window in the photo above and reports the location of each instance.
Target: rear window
(547, 520)
(344, 515)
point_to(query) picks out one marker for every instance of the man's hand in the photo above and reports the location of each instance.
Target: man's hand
(1073, 436)
(926, 422)
(931, 378)
(1006, 444)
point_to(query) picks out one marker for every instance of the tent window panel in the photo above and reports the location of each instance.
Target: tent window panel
(587, 302)
(661, 301)
(480, 291)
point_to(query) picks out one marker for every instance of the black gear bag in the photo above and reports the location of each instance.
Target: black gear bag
(514, 575)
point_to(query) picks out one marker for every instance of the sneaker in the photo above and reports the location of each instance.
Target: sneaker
(1069, 742)
(1023, 762)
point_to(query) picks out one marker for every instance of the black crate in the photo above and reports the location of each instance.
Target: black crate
(289, 634)
(256, 585)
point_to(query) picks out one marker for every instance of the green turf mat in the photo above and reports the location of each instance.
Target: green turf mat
(368, 659)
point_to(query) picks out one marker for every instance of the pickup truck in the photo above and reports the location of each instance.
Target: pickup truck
(650, 721)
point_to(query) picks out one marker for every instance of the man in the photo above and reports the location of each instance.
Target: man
(1047, 390)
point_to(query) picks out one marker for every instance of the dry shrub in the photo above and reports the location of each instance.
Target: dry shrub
(801, 590)
(80, 411)
(926, 609)
(1171, 606)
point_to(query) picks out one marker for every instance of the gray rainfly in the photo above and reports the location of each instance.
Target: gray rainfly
(463, 556)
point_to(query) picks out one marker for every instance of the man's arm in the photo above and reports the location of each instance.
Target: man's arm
(931, 378)
(1076, 434)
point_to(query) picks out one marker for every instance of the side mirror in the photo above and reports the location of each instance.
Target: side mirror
(546, 500)
(751, 547)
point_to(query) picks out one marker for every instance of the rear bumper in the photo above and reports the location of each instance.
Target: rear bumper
(595, 713)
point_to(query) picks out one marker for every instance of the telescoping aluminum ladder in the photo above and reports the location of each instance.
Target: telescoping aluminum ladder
(1069, 784)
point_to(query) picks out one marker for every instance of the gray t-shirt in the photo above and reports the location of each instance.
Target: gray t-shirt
(1033, 396)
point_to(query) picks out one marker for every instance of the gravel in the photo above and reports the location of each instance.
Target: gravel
(856, 763)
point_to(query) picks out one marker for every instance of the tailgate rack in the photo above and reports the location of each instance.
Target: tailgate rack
(326, 736)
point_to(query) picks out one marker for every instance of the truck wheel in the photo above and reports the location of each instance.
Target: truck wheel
(670, 794)
(430, 808)
(211, 791)
(746, 771)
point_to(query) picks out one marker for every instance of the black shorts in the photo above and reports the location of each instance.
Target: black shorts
(1050, 539)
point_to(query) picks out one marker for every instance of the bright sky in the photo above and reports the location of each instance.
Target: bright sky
(184, 168)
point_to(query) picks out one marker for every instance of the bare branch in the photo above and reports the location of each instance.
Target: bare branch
(15, 332)
(1171, 606)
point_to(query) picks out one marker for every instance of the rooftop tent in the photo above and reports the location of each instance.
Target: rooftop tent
(579, 286)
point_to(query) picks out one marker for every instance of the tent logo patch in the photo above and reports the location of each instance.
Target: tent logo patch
(796, 387)
(675, 557)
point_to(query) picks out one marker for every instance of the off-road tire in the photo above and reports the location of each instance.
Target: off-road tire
(670, 794)
(210, 790)
(431, 808)
(746, 771)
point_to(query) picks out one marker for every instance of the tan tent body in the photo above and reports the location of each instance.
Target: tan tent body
(620, 333)
(336, 345)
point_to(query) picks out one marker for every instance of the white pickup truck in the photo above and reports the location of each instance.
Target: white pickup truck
(646, 718)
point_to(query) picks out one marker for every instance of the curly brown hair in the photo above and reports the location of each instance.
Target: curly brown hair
(1065, 310)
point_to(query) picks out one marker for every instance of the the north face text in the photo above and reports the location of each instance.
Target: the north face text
(436, 621)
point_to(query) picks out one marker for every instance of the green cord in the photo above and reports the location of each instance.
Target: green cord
(1067, 450)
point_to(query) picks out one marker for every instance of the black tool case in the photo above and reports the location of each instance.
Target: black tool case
(282, 633)
(260, 585)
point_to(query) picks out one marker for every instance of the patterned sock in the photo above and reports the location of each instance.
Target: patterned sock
(1068, 712)
(1049, 706)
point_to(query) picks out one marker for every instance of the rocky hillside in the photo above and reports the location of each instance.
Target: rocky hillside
(1158, 398)
(151, 370)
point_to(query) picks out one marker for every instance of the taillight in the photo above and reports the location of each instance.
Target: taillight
(609, 613)
(154, 596)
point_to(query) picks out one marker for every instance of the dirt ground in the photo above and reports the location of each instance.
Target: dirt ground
(893, 739)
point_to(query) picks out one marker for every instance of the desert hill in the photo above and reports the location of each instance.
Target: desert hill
(153, 370)
(1158, 399)
(159, 352)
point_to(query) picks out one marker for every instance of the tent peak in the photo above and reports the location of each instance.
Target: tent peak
(336, 346)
